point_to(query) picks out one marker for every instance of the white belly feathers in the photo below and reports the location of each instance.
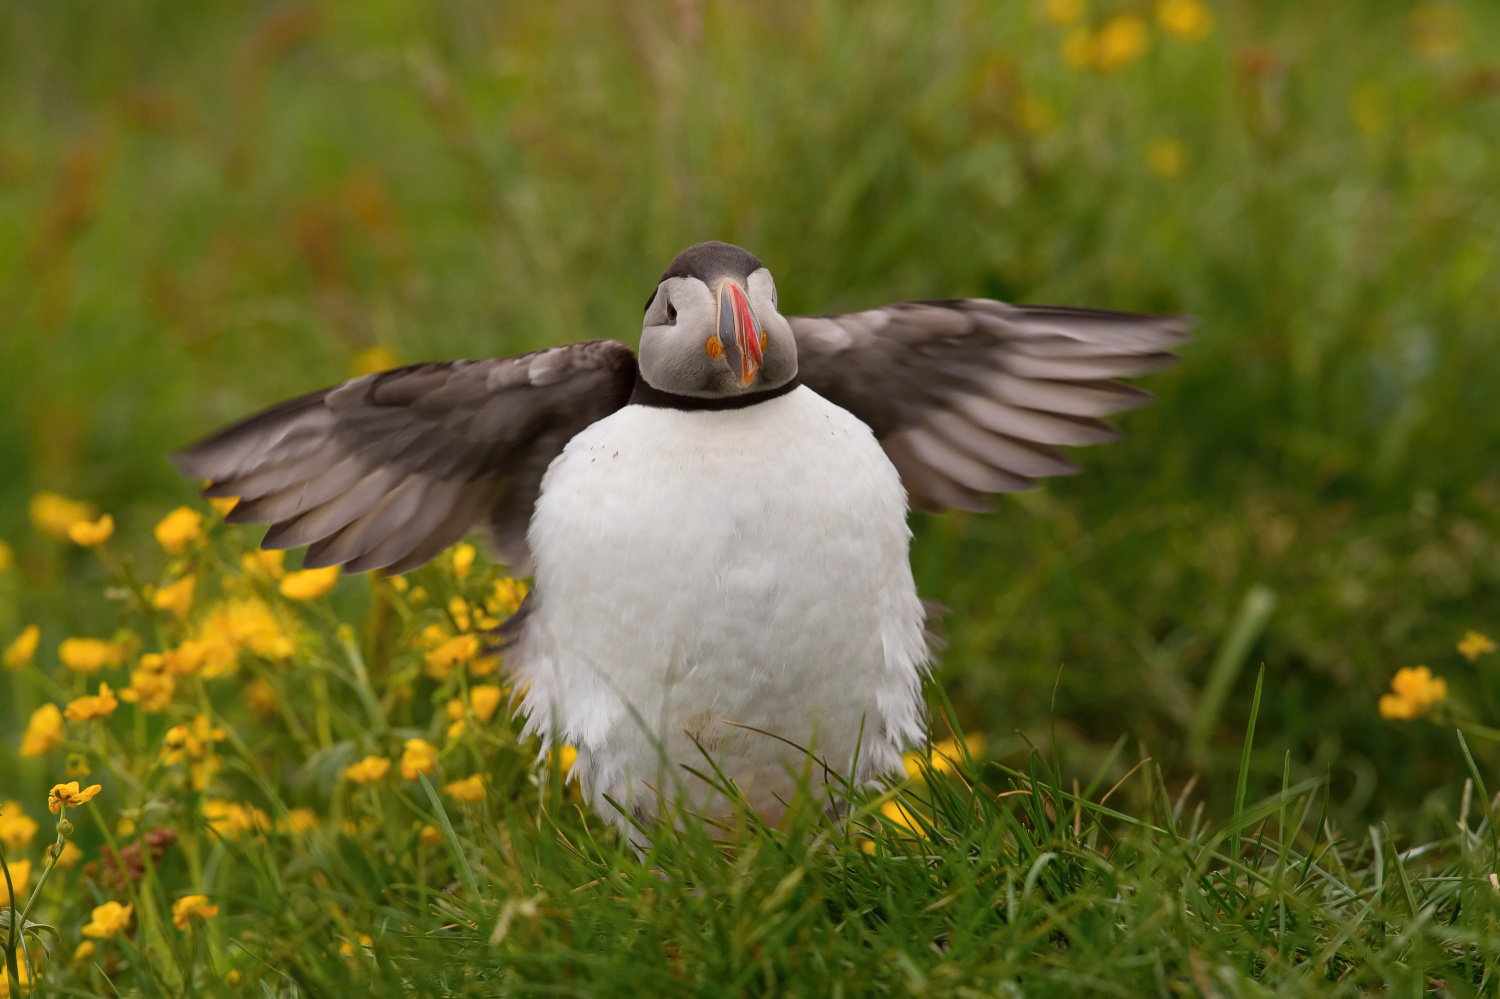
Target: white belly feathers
(696, 569)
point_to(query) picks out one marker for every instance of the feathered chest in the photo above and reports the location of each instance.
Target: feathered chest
(731, 547)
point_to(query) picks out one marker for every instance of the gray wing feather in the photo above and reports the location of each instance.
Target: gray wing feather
(387, 470)
(971, 397)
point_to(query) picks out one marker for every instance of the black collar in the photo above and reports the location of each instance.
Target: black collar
(647, 395)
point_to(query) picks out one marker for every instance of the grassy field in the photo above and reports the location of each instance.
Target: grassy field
(206, 208)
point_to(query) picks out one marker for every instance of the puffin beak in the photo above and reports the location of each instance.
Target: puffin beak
(738, 333)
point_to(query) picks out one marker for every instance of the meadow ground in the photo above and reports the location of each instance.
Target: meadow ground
(207, 208)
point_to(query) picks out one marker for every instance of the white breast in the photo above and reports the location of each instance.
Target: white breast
(699, 569)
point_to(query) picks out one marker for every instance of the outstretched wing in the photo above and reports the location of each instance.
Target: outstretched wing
(972, 396)
(387, 470)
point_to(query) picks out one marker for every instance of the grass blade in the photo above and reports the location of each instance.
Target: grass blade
(1244, 781)
(465, 872)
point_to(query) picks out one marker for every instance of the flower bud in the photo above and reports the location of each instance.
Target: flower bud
(64, 828)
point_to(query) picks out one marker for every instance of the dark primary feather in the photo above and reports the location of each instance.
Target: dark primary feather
(387, 470)
(972, 396)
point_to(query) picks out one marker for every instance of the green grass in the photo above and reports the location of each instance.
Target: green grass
(207, 208)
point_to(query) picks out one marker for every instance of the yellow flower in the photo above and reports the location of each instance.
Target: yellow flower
(44, 732)
(566, 757)
(53, 514)
(1078, 49)
(368, 770)
(300, 820)
(223, 504)
(188, 906)
(1064, 11)
(454, 652)
(151, 686)
(366, 943)
(455, 711)
(190, 742)
(16, 827)
(400, 584)
(176, 530)
(903, 817)
(431, 835)
(260, 697)
(21, 651)
(466, 791)
(232, 819)
(176, 597)
(1471, 646)
(507, 596)
(250, 624)
(20, 873)
(463, 560)
(1121, 41)
(83, 952)
(419, 757)
(1414, 692)
(1188, 19)
(92, 706)
(90, 533)
(25, 977)
(458, 609)
(946, 756)
(89, 655)
(1165, 157)
(69, 796)
(264, 562)
(484, 699)
(309, 584)
(373, 360)
(109, 919)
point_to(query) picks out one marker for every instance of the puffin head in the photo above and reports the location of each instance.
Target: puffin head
(712, 329)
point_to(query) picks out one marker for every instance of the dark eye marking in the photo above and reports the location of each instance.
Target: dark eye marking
(671, 314)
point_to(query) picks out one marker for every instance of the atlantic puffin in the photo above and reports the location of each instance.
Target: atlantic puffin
(716, 527)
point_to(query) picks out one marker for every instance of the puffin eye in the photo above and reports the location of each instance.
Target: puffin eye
(671, 314)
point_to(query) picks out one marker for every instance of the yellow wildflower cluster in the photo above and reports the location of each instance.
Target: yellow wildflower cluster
(1414, 692)
(1124, 38)
(151, 686)
(212, 609)
(193, 744)
(233, 819)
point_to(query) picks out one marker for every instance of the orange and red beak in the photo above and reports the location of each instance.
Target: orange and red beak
(738, 333)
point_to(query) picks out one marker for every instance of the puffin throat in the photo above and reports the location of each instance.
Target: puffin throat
(738, 335)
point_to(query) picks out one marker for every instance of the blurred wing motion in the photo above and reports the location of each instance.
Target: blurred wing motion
(387, 470)
(972, 396)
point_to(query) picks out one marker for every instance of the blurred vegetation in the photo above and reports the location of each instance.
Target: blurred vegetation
(207, 208)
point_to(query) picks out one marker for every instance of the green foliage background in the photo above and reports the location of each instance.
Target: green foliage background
(205, 208)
